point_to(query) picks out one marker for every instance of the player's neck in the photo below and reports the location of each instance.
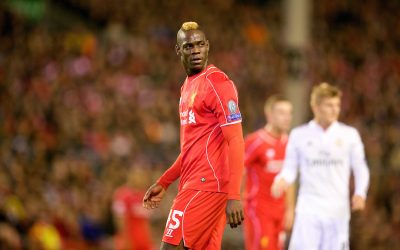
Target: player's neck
(191, 73)
(274, 131)
(323, 124)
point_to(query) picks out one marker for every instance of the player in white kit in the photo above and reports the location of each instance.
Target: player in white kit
(325, 152)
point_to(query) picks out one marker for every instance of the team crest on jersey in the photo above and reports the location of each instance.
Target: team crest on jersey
(191, 99)
(234, 113)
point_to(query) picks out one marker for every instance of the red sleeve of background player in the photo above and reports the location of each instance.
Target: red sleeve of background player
(171, 174)
(234, 136)
(251, 145)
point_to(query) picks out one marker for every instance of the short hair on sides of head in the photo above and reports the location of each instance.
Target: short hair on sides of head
(190, 26)
(272, 100)
(324, 90)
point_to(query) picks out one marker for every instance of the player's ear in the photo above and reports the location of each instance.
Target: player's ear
(177, 49)
(266, 115)
(313, 108)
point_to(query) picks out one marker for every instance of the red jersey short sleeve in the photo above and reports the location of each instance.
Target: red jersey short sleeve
(208, 101)
(222, 99)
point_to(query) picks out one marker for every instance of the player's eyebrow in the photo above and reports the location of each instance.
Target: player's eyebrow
(193, 42)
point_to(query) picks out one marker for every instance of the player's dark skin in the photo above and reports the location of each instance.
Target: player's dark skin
(192, 47)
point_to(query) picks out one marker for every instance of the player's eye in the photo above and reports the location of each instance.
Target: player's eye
(187, 46)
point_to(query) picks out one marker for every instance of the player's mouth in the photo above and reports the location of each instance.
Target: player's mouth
(196, 61)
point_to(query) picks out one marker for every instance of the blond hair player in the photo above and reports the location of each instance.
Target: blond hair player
(324, 152)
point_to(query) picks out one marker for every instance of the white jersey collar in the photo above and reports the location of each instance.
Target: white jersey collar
(315, 125)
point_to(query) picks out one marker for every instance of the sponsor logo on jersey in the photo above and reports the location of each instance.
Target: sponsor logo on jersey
(274, 166)
(324, 162)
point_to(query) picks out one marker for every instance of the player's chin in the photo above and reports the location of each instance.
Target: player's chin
(333, 119)
(197, 67)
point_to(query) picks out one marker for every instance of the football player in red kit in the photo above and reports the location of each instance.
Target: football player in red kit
(264, 153)
(131, 219)
(210, 163)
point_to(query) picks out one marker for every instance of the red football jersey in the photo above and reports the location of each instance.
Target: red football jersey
(264, 156)
(127, 204)
(209, 100)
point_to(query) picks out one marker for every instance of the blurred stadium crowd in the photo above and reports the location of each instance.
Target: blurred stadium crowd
(82, 104)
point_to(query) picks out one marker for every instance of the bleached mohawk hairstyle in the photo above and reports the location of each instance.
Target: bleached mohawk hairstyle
(190, 26)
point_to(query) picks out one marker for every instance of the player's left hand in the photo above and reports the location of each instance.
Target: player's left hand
(357, 203)
(234, 213)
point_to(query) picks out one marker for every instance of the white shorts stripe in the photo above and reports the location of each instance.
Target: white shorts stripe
(208, 158)
(183, 217)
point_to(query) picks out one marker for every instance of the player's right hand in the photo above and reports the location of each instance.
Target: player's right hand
(279, 187)
(153, 196)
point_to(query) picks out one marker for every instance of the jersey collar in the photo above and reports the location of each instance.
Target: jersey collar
(268, 137)
(315, 125)
(192, 77)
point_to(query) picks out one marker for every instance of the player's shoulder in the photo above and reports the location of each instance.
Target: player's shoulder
(215, 75)
(347, 129)
(122, 193)
(300, 132)
(253, 141)
(252, 136)
(303, 128)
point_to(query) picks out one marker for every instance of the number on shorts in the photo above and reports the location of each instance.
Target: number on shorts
(175, 223)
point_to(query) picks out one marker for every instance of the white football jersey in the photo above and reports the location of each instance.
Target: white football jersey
(325, 159)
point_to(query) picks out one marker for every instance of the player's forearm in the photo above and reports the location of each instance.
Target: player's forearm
(291, 162)
(236, 167)
(234, 137)
(361, 179)
(171, 174)
(359, 166)
(288, 172)
(290, 198)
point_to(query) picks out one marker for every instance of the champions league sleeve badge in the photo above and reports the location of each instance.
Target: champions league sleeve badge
(234, 113)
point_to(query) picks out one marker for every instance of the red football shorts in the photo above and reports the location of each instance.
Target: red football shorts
(263, 231)
(198, 218)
